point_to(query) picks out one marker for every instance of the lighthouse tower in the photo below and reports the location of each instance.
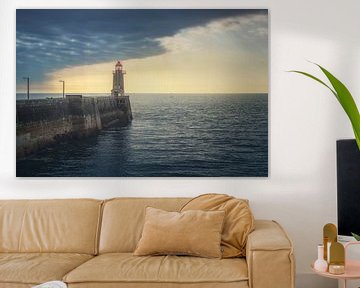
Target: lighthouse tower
(118, 80)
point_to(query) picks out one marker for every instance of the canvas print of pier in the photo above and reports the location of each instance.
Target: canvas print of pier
(142, 93)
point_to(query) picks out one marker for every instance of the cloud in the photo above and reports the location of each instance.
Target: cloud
(53, 39)
(251, 32)
(40, 54)
(225, 55)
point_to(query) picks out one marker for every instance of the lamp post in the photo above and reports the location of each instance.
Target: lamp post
(63, 87)
(28, 86)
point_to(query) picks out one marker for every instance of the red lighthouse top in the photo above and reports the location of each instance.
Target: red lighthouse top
(118, 66)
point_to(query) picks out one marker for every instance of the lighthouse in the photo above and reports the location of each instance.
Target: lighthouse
(118, 80)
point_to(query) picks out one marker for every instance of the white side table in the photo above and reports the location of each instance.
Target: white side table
(352, 269)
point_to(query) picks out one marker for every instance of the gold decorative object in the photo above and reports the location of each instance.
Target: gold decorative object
(330, 236)
(337, 258)
(336, 269)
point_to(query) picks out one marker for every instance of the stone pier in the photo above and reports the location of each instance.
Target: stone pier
(44, 122)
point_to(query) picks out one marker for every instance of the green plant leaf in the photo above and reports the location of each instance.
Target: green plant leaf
(356, 236)
(344, 97)
(316, 79)
(347, 102)
(357, 137)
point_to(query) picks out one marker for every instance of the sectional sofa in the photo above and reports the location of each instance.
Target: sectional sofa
(90, 243)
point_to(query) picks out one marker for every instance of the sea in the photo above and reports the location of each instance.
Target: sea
(171, 135)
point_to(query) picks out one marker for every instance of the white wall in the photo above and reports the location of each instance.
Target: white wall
(305, 120)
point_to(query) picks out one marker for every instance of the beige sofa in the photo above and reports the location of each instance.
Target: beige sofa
(89, 243)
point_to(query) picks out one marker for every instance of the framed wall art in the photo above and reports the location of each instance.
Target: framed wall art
(142, 93)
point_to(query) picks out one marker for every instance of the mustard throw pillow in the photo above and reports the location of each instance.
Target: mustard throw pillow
(239, 220)
(196, 233)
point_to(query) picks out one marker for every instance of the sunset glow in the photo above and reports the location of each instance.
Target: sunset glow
(226, 55)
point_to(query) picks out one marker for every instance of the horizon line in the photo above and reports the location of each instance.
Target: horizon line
(74, 93)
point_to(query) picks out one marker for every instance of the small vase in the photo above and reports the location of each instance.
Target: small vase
(320, 264)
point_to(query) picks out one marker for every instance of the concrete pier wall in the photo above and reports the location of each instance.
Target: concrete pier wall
(43, 122)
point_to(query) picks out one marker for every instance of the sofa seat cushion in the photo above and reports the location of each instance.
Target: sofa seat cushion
(242, 284)
(15, 285)
(127, 268)
(36, 268)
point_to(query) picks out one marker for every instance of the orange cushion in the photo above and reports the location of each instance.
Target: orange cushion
(239, 220)
(196, 233)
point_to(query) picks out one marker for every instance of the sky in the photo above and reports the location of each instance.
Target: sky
(162, 50)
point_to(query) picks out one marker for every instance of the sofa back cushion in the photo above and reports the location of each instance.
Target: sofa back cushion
(123, 220)
(66, 226)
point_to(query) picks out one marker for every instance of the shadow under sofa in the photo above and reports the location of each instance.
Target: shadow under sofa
(90, 243)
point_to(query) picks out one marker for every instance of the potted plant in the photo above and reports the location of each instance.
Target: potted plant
(344, 97)
(357, 237)
(346, 100)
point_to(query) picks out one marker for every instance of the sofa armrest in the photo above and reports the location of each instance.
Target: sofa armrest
(269, 256)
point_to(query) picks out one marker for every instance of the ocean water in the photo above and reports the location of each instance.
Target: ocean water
(215, 135)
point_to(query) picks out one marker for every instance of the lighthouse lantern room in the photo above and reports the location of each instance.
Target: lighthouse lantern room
(118, 80)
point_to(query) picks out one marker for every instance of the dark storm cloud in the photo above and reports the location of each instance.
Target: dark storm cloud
(47, 40)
